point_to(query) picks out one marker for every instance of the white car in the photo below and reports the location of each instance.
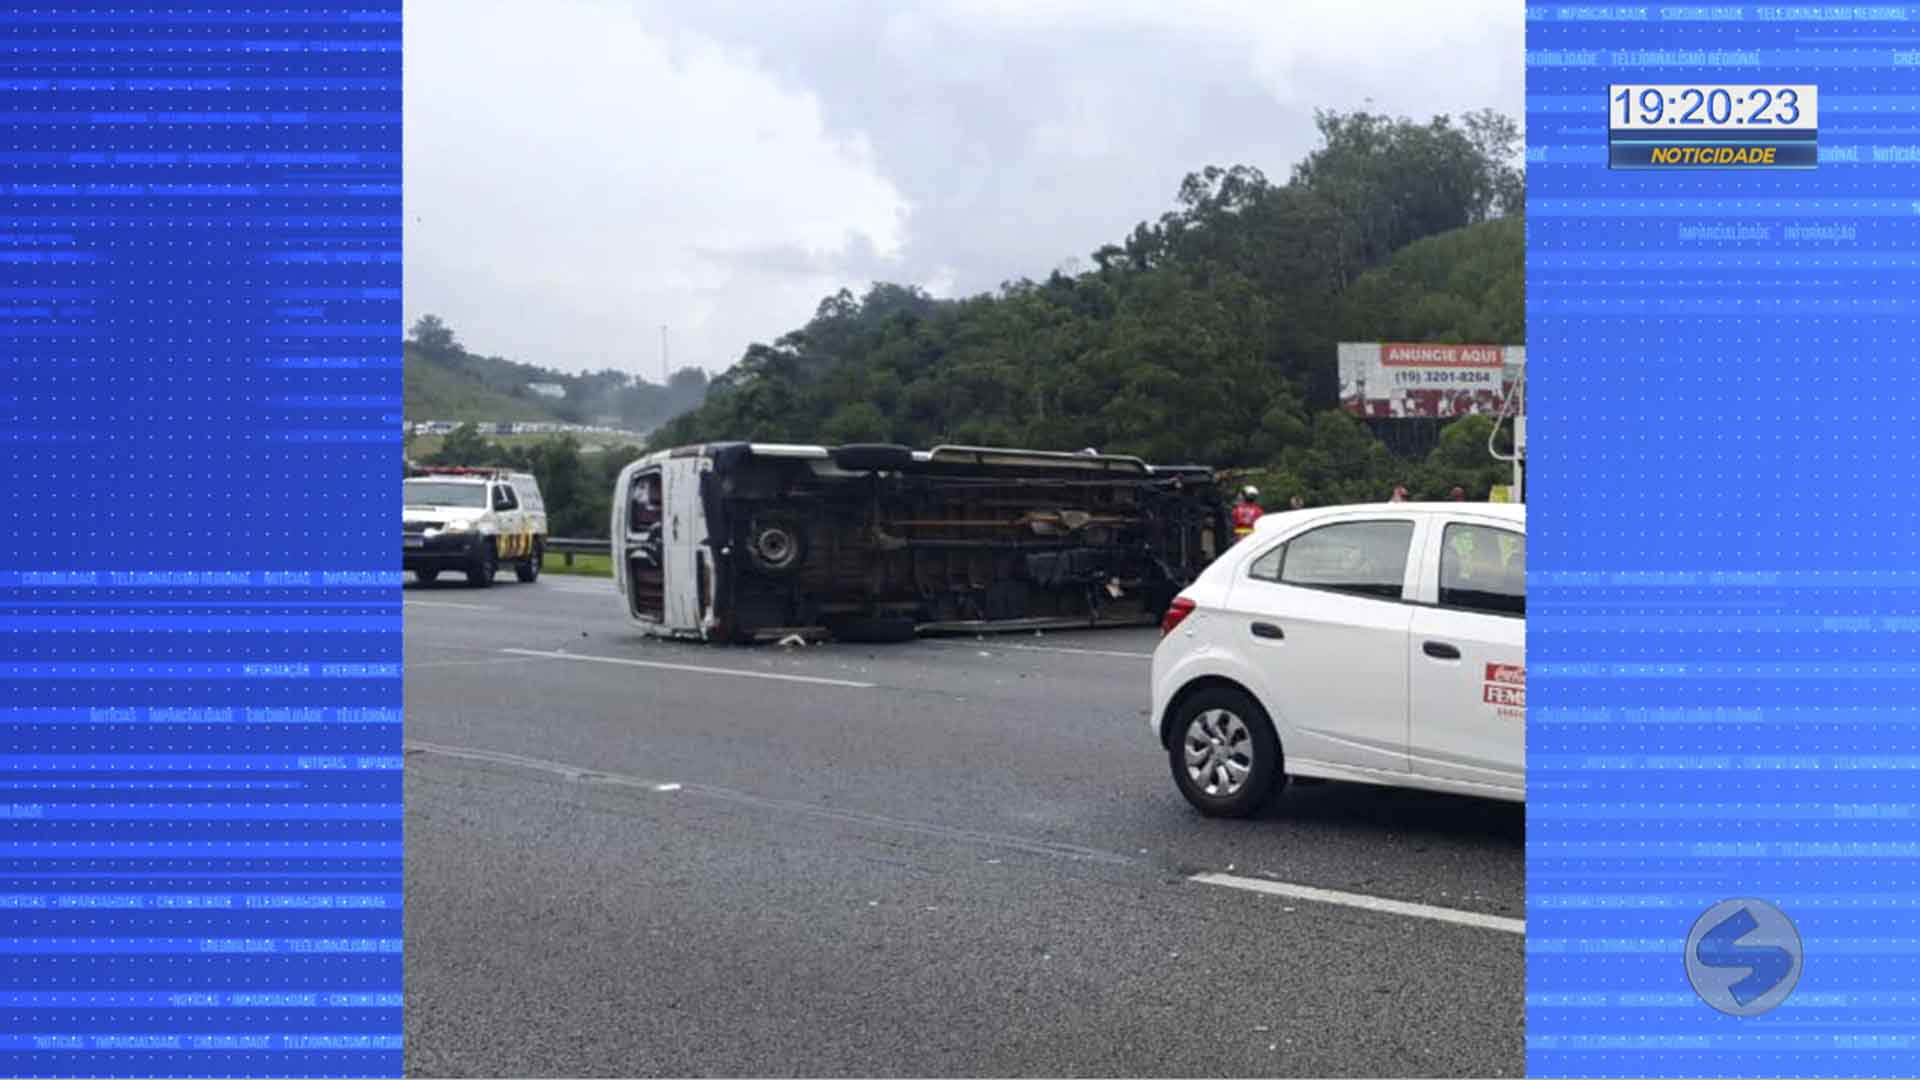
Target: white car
(1379, 644)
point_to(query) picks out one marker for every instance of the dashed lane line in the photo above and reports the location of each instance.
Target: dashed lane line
(1365, 903)
(695, 669)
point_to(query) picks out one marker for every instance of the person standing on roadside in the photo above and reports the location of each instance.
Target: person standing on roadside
(1458, 494)
(1399, 495)
(1246, 512)
(1296, 503)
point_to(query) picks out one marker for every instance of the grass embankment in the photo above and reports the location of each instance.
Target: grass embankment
(583, 565)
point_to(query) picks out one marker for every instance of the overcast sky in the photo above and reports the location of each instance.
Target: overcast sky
(580, 172)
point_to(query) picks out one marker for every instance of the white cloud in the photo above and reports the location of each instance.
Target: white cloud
(572, 172)
(1403, 52)
(585, 171)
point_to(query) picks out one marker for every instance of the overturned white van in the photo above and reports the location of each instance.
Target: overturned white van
(737, 542)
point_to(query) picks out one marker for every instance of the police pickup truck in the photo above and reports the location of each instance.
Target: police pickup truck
(471, 521)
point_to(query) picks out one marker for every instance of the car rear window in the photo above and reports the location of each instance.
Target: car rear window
(1364, 558)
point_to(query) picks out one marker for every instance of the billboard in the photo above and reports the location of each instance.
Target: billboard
(1401, 380)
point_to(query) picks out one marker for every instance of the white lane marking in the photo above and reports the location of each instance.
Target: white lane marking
(1042, 648)
(1366, 903)
(450, 604)
(695, 669)
(666, 787)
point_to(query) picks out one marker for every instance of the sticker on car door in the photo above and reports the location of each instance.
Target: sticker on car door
(1506, 690)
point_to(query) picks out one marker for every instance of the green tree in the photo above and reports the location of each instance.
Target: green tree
(434, 335)
(1464, 458)
(465, 445)
(1206, 335)
(855, 422)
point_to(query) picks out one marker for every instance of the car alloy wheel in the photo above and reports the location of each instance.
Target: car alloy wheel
(1224, 753)
(1219, 753)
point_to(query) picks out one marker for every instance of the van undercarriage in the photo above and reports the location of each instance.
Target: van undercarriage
(872, 542)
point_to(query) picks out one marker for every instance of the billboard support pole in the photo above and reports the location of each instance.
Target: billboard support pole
(1514, 405)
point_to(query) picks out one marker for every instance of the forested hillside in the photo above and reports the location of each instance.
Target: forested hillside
(1205, 336)
(444, 381)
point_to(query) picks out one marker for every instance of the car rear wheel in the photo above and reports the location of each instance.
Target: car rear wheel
(1225, 756)
(425, 577)
(528, 569)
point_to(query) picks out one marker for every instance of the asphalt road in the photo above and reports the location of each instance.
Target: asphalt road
(952, 857)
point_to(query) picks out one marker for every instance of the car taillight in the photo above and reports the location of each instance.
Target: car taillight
(1176, 613)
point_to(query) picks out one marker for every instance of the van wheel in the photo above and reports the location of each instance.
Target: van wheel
(871, 630)
(528, 569)
(1225, 756)
(485, 564)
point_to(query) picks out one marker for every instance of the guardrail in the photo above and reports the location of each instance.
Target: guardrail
(567, 549)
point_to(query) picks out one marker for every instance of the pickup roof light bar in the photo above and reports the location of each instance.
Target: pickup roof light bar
(455, 470)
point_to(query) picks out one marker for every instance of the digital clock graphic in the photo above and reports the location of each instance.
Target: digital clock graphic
(1695, 126)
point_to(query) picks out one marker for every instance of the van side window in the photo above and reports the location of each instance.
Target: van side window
(1362, 558)
(643, 507)
(503, 498)
(1483, 569)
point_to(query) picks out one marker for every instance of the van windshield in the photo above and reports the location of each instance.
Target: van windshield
(444, 493)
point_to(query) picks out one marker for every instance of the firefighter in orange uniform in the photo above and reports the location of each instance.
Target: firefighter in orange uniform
(1246, 512)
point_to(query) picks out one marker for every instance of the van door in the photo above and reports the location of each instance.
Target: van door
(639, 527)
(1468, 656)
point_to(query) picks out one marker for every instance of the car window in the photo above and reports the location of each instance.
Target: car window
(503, 498)
(1366, 558)
(1483, 568)
(444, 493)
(1267, 566)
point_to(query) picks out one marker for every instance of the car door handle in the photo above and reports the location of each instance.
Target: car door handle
(1440, 650)
(1267, 630)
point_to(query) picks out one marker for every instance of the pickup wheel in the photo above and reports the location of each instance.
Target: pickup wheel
(1225, 756)
(528, 569)
(486, 563)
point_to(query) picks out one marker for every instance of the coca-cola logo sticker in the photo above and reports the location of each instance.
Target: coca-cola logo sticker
(1506, 689)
